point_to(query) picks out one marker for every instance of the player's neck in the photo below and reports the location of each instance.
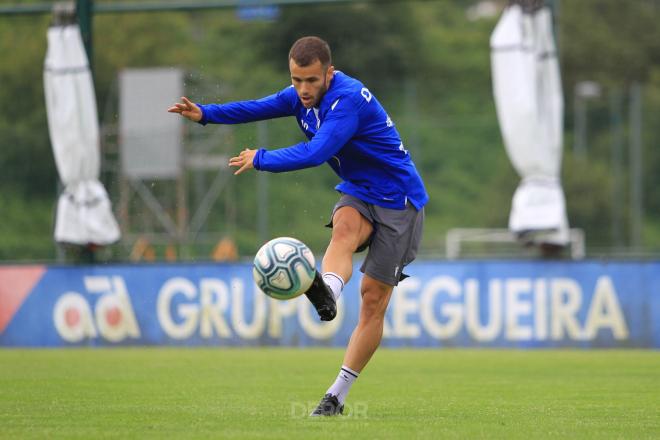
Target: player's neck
(327, 89)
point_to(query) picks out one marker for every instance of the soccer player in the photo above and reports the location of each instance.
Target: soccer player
(382, 196)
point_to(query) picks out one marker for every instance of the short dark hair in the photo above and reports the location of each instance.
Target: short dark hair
(307, 50)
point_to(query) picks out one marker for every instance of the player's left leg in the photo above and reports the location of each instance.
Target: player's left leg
(393, 246)
(369, 331)
(363, 344)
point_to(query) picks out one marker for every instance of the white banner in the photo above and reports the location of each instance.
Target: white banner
(84, 214)
(528, 98)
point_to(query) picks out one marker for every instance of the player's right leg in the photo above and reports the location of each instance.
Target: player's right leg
(349, 230)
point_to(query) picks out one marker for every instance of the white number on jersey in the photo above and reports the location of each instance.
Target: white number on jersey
(366, 94)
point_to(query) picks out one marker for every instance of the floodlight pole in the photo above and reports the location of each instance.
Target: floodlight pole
(84, 11)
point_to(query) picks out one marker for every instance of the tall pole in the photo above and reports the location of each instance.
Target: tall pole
(636, 168)
(555, 9)
(84, 11)
(616, 104)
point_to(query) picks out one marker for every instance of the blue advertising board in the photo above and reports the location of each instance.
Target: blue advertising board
(442, 304)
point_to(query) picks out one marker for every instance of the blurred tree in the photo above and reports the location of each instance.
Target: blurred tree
(609, 41)
(26, 159)
(427, 61)
(615, 44)
(374, 42)
(588, 202)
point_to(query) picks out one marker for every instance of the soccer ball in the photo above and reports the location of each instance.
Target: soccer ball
(284, 268)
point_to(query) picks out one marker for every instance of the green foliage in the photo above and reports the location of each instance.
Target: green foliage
(142, 40)
(651, 138)
(424, 60)
(27, 225)
(606, 41)
(588, 200)
(361, 37)
(26, 160)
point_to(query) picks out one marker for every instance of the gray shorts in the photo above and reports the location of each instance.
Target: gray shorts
(394, 241)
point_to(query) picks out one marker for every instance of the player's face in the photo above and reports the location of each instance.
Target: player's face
(311, 82)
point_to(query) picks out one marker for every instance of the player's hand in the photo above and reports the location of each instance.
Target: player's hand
(187, 109)
(243, 161)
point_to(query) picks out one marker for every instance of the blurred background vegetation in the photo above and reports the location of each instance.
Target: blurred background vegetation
(428, 62)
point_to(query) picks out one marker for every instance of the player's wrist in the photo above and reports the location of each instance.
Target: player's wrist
(201, 114)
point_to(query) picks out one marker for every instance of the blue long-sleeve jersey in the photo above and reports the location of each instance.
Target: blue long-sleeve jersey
(349, 130)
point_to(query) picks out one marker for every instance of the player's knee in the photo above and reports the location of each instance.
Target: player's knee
(350, 228)
(346, 233)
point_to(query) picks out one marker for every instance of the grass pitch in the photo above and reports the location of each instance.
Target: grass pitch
(267, 393)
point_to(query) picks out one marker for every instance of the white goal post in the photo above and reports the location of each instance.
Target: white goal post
(456, 237)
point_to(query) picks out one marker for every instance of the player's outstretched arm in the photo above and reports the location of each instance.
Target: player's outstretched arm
(243, 161)
(187, 109)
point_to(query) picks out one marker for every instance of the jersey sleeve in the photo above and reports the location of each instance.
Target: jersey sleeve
(340, 125)
(274, 106)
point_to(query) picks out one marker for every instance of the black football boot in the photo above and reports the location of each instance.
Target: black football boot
(321, 297)
(329, 406)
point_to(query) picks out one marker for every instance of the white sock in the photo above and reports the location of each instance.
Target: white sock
(343, 383)
(335, 283)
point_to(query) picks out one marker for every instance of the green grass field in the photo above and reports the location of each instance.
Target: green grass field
(267, 393)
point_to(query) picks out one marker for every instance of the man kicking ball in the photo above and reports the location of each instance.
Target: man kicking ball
(382, 196)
